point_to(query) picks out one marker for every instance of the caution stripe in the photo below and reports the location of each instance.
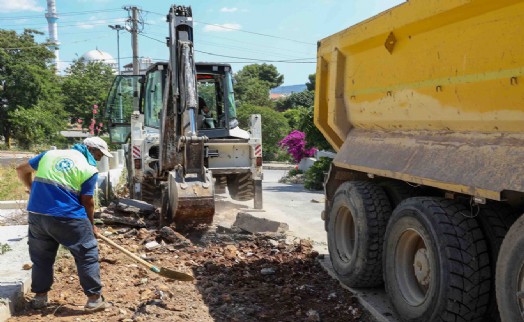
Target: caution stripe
(258, 150)
(136, 152)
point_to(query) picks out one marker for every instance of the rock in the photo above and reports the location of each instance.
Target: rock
(268, 271)
(254, 224)
(312, 316)
(174, 237)
(143, 233)
(27, 266)
(230, 252)
(134, 206)
(152, 245)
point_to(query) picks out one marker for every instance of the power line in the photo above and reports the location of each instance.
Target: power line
(71, 23)
(241, 30)
(73, 13)
(291, 61)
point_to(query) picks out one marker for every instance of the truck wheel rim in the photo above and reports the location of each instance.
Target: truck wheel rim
(345, 235)
(412, 267)
(520, 292)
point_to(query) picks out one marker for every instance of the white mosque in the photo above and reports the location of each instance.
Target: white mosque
(97, 55)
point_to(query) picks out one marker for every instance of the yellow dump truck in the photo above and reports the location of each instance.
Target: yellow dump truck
(424, 104)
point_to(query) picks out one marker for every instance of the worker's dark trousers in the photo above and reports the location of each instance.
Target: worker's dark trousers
(76, 234)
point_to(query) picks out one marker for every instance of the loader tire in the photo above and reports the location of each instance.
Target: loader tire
(356, 227)
(241, 187)
(220, 184)
(151, 192)
(436, 262)
(495, 220)
(510, 274)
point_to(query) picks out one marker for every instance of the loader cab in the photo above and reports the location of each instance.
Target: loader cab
(152, 96)
(215, 87)
(123, 94)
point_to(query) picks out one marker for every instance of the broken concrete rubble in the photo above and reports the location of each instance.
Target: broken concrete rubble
(252, 224)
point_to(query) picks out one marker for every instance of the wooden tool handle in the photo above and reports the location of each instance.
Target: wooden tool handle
(128, 253)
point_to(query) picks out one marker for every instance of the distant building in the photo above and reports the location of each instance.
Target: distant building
(284, 91)
(143, 65)
(97, 55)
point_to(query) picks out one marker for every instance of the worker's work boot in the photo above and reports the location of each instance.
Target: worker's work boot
(95, 303)
(39, 301)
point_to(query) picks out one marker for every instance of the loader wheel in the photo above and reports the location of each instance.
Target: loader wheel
(356, 227)
(166, 214)
(241, 187)
(510, 274)
(151, 192)
(220, 184)
(436, 263)
(495, 220)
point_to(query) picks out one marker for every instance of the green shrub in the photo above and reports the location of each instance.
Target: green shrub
(314, 176)
(294, 172)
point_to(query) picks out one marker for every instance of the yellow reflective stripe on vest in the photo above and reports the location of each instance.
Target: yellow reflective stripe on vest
(68, 169)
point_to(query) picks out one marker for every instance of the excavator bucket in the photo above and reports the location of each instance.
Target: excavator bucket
(191, 201)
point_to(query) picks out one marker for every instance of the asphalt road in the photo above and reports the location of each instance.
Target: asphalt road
(289, 203)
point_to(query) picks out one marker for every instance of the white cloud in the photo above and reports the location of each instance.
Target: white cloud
(19, 5)
(223, 27)
(91, 23)
(226, 9)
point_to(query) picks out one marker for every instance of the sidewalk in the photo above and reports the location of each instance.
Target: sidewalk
(14, 280)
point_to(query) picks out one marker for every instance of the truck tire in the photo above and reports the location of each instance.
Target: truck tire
(356, 227)
(436, 262)
(241, 187)
(510, 274)
(495, 221)
(397, 191)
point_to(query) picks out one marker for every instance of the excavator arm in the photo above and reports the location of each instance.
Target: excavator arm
(189, 195)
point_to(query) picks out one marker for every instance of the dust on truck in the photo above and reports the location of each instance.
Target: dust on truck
(424, 104)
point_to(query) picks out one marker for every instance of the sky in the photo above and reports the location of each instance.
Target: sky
(240, 32)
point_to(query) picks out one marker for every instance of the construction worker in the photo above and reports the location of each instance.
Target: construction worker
(61, 212)
(207, 116)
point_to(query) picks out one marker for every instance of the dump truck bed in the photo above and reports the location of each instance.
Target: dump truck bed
(430, 92)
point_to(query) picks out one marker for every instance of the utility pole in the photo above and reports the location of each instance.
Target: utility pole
(134, 32)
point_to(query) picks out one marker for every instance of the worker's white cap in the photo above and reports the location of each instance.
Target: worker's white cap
(96, 142)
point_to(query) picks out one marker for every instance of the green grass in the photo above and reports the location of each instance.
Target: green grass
(10, 187)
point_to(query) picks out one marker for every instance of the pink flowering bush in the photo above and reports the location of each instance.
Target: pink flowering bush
(295, 144)
(95, 127)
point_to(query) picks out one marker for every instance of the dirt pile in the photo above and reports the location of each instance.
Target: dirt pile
(238, 277)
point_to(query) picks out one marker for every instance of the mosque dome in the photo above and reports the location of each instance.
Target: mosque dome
(98, 55)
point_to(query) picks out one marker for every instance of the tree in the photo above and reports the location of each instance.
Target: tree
(39, 124)
(274, 127)
(264, 72)
(301, 99)
(86, 85)
(314, 137)
(294, 116)
(252, 91)
(29, 82)
(311, 84)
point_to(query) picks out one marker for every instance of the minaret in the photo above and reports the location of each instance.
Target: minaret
(52, 26)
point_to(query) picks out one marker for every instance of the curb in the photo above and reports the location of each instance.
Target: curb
(15, 282)
(374, 300)
(277, 166)
(13, 204)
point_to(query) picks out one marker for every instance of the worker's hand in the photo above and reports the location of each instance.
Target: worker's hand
(95, 231)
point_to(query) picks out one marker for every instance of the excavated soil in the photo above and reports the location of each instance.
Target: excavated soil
(238, 277)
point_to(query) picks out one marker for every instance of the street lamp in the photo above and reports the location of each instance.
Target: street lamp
(117, 28)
